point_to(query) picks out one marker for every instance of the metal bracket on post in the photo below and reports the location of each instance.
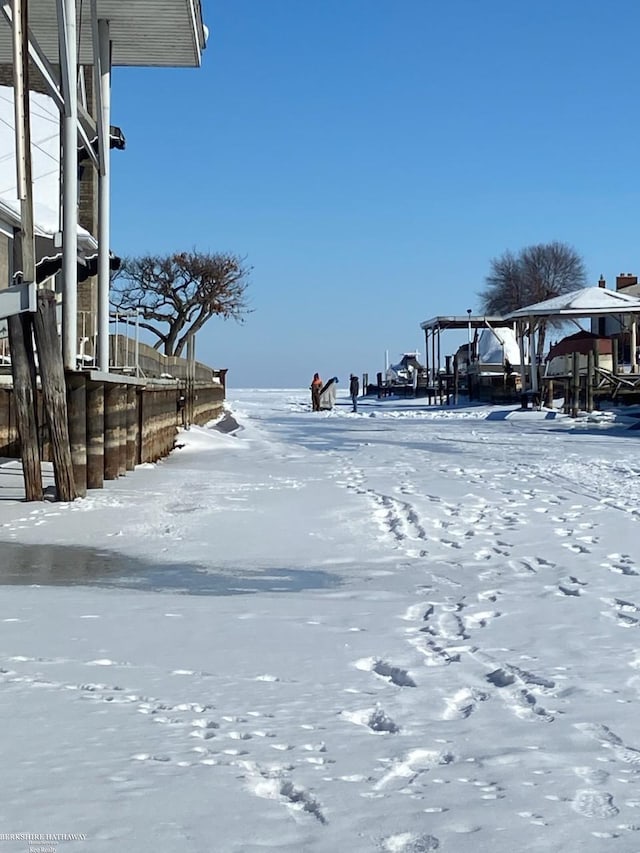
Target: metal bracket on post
(17, 299)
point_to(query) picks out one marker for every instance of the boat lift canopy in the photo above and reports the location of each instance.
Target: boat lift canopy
(432, 329)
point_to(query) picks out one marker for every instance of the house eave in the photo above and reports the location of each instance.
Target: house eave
(144, 33)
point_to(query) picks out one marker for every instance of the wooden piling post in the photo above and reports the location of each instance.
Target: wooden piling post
(54, 395)
(95, 435)
(169, 421)
(154, 445)
(111, 431)
(575, 384)
(596, 365)
(590, 377)
(77, 421)
(145, 453)
(24, 396)
(550, 393)
(20, 326)
(615, 359)
(139, 396)
(122, 430)
(447, 361)
(456, 381)
(132, 424)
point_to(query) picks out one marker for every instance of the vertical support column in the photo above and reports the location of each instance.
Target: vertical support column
(20, 326)
(144, 416)
(426, 358)
(132, 425)
(122, 430)
(533, 356)
(22, 110)
(615, 356)
(111, 431)
(25, 402)
(590, 378)
(634, 343)
(54, 396)
(95, 435)
(137, 343)
(155, 444)
(456, 380)
(67, 40)
(520, 336)
(575, 384)
(102, 89)
(191, 375)
(433, 356)
(139, 425)
(77, 418)
(447, 360)
(168, 423)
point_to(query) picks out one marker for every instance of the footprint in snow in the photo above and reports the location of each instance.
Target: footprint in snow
(375, 719)
(591, 776)
(462, 704)
(394, 674)
(409, 842)
(592, 803)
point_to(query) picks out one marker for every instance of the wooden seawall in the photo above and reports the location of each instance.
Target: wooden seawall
(117, 422)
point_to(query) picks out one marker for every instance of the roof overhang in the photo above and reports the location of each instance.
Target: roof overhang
(579, 304)
(576, 313)
(153, 33)
(476, 321)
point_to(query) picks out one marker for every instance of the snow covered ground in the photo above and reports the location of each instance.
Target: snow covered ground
(426, 637)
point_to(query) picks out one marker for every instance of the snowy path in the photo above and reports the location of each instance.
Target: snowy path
(472, 682)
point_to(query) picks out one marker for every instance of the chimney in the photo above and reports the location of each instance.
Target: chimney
(601, 282)
(625, 280)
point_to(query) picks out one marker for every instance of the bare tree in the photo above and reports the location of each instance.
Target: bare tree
(536, 273)
(551, 269)
(504, 290)
(177, 294)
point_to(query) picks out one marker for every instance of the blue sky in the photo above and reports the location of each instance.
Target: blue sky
(369, 157)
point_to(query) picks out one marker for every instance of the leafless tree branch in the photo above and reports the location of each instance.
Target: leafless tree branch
(177, 294)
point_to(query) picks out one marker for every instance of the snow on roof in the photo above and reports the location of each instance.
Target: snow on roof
(582, 303)
(45, 163)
